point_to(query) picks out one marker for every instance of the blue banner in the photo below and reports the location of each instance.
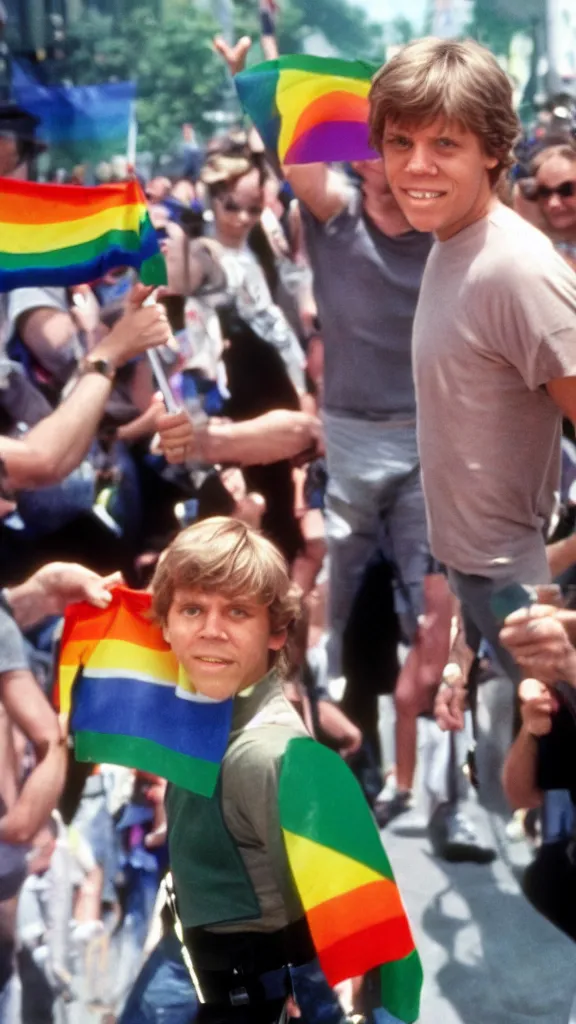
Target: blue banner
(83, 122)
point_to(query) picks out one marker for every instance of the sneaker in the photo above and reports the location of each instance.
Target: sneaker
(391, 803)
(454, 837)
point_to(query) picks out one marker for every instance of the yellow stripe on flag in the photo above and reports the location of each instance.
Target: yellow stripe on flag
(321, 873)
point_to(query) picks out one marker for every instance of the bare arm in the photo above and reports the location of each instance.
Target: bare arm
(53, 448)
(280, 434)
(323, 190)
(519, 773)
(52, 588)
(56, 445)
(561, 555)
(143, 426)
(562, 391)
(28, 709)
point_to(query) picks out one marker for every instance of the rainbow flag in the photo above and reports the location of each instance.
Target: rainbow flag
(129, 702)
(310, 109)
(63, 235)
(344, 879)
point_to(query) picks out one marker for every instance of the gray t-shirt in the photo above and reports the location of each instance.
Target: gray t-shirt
(495, 322)
(366, 286)
(58, 362)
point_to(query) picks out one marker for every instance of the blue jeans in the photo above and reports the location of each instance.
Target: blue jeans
(374, 501)
(163, 992)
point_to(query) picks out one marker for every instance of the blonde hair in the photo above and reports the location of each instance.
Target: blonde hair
(225, 555)
(222, 171)
(459, 81)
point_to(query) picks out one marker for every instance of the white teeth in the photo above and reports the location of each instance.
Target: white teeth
(423, 195)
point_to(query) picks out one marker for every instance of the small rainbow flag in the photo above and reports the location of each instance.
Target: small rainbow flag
(129, 702)
(310, 109)
(63, 235)
(344, 879)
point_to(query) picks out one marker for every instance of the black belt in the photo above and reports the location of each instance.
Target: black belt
(248, 968)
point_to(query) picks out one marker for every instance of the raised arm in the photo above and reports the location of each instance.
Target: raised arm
(321, 189)
(56, 445)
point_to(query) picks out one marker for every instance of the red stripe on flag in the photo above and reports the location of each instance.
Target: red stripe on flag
(353, 956)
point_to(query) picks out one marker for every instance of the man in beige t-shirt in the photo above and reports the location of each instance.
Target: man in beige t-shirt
(495, 329)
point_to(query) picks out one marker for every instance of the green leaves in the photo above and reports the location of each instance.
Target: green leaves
(167, 48)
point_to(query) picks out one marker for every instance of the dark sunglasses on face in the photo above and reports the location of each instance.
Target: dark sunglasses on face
(565, 190)
(231, 206)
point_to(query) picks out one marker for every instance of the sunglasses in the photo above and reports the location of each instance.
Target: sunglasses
(566, 190)
(231, 206)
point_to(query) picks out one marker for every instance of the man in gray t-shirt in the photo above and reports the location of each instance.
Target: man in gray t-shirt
(367, 265)
(495, 329)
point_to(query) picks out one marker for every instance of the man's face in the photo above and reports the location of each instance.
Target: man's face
(223, 643)
(559, 209)
(438, 174)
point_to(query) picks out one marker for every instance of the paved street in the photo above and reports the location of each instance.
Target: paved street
(488, 957)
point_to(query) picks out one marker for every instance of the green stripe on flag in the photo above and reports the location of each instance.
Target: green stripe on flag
(153, 271)
(189, 772)
(401, 984)
(334, 811)
(71, 255)
(359, 69)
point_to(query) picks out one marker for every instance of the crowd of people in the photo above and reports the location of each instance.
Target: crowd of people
(374, 368)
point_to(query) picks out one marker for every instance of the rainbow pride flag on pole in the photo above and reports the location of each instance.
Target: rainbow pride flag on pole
(63, 235)
(129, 703)
(310, 109)
(344, 879)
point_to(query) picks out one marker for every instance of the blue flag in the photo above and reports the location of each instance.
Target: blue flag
(80, 122)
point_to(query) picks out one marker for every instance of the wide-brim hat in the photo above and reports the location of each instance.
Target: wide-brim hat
(18, 123)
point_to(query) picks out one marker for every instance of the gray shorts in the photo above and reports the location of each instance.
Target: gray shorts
(374, 502)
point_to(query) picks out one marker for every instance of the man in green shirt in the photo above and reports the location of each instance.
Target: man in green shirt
(223, 595)
(282, 884)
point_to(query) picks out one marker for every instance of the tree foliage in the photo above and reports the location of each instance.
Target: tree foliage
(495, 22)
(167, 48)
(345, 26)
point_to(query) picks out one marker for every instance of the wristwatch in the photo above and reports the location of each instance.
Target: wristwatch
(104, 367)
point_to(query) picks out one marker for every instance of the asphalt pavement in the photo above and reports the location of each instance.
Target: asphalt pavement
(488, 957)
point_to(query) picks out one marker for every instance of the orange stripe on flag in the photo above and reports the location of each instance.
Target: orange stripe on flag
(335, 106)
(58, 204)
(354, 911)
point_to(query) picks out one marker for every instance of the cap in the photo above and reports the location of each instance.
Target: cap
(16, 121)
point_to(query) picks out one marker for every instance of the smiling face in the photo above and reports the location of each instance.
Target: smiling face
(238, 209)
(222, 642)
(438, 174)
(558, 209)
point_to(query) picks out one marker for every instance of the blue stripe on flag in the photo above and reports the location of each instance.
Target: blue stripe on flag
(126, 707)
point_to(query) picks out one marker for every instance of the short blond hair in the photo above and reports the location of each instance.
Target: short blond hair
(224, 555)
(459, 81)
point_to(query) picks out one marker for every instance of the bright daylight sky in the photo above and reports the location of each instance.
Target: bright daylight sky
(386, 10)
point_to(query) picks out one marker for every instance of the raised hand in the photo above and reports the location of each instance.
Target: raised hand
(234, 56)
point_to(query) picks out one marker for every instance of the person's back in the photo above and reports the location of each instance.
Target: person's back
(494, 317)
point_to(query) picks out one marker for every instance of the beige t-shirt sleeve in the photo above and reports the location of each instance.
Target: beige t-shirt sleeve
(535, 318)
